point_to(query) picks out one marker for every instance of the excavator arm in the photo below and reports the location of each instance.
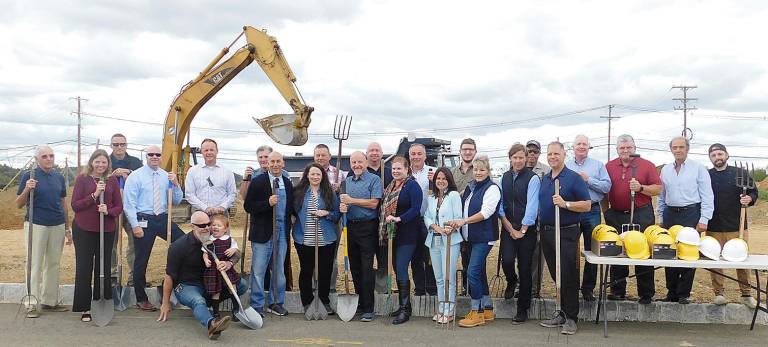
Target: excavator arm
(287, 129)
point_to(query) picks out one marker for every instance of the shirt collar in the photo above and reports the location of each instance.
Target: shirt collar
(224, 237)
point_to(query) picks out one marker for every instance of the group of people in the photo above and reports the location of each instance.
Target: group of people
(430, 215)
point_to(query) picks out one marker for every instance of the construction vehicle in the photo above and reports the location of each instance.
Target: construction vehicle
(286, 129)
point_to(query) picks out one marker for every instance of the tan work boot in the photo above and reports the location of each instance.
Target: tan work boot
(472, 320)
(488, 315)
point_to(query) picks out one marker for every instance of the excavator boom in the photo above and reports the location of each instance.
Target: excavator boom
(287, 129)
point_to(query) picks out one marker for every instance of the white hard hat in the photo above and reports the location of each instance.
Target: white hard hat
(710, 248)
(735, 250)
(688, 236)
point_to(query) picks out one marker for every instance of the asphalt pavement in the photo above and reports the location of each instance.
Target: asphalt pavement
(135, 328)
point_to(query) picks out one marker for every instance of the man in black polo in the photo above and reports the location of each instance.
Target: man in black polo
(123, 164)
(572, 200)
(376, 167)
(184, 273)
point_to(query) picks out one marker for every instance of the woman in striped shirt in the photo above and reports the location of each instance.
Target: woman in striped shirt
(318, 212)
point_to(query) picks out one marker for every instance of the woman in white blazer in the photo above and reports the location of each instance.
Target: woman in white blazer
(443, 205)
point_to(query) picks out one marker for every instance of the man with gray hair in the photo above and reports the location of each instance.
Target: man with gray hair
(594, 175)
(423, 276)
(686, 199)
(631, 174)
(49, 229)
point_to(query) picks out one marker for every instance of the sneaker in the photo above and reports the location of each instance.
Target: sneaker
(556, 321)
(720, 300)
(277, 310)
(435, 317)
(32, 312)
(569, 328)
(367, 317)
(520, 318)
(54, 308)
(472, 320)
(645, 300)
(488, 315)
(684, 300)
(749, 301)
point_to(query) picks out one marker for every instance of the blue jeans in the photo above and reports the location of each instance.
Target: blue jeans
(438, 255)
(403, 255)
(262, 257)
(589, 220)
(194, 298)
(478, 279)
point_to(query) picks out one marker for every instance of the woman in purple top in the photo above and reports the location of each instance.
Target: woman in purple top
(85, 202)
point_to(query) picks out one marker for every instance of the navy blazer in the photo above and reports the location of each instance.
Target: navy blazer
(411, 224)
(257, 204)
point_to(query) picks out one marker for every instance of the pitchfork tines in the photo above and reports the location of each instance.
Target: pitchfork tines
(744, 175)
(341, 127)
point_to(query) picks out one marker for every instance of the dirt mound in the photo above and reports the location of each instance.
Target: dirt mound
(763, 185)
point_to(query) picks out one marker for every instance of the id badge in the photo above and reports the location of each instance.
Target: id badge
(143, 223)
(437, 241)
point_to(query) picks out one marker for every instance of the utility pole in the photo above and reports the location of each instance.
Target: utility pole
(687, 132)
(610, 117)
(79, 128)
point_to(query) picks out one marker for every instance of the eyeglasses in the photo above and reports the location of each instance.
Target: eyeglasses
(201, 226)
(533, 151)
(46, 156)
(119, 144)
(154, 154)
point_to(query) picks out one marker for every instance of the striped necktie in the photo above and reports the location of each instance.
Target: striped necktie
(157, 205)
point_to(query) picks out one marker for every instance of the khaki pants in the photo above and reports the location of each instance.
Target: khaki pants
(743, 275)
(47, 245)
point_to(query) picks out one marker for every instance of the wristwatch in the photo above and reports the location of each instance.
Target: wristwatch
(641, 188)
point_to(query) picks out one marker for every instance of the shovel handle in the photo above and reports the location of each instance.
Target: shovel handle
(224, 276)
(557, 246)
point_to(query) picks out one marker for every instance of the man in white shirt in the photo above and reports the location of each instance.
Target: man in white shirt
(208, 186)
(423, 276)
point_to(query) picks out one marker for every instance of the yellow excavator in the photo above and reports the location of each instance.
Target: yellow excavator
(286, 129)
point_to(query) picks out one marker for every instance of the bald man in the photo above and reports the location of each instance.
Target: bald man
(260, 201)
(145, 204)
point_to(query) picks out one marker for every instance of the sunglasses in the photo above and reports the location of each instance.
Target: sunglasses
(119, 144)
(202, 225)
(154, 154)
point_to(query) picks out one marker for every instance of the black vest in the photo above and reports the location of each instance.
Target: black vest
(515, 195)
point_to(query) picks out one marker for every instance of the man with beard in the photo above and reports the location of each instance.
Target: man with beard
(463, 174)
(724, 225)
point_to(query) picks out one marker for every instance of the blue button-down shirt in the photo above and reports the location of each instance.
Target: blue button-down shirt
(599, 182)
(692, 185)
(367, 186)
(138, 196)
(532, 204)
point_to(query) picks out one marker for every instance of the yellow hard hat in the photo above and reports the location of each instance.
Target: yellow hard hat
(687, 252)
(655, 233)
(596, 230)
(636, 245)
(610, 236)
(663, 239)
(650, 229)
(673, 230)
(605, 229)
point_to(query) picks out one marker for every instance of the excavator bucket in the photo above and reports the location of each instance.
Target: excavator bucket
(284, 129)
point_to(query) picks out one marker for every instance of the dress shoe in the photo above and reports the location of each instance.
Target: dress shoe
(216, 326)
(146, 306)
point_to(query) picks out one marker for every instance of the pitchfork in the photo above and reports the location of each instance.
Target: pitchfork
(497, 281)
(744, 174)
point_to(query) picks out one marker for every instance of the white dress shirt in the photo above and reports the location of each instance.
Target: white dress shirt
(210, 186)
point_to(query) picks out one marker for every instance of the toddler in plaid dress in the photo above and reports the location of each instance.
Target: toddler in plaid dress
(224, 247)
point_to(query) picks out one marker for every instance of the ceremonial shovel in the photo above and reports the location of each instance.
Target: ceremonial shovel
(102, 310)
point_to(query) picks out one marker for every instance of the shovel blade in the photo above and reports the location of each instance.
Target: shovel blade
(316, 311)
(346, 305)
(102, 312)
(250, 317)
(284, 129)
(120, 297)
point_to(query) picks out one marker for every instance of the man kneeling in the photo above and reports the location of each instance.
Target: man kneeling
(184, 273)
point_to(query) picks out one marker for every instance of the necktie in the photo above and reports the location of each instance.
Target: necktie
(157, 205)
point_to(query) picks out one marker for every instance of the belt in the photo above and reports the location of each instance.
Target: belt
(628, 211)
(360, 221)
(683, 208)
(545, 227)
(595, 203)
(150, 216)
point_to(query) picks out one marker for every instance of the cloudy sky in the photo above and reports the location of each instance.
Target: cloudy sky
(498, 71)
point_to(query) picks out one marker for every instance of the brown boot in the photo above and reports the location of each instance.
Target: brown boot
(472, 320)
(216, 326)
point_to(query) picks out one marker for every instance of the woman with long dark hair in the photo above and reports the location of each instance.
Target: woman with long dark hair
(94, 181)
(401, 207)
(443, 206)
(318, 211)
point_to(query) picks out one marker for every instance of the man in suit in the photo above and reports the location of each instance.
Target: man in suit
(268, 191)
